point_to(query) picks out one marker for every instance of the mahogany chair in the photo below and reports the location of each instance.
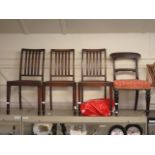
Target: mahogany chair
(31, 67)
(62, 73)
(151, 74)
(93, 72)
(129, 84)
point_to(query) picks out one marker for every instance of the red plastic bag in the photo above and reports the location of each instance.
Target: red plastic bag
(96, 107)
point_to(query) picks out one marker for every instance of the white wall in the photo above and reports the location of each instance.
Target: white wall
(10, 45)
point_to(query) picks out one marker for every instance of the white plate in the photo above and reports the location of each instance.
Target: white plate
(42, 129)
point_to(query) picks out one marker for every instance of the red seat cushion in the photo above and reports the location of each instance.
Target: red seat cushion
(131, 84)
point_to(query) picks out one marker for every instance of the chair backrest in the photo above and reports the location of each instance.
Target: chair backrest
(32, 63)
(62, 64)
(150, 74)
(125, 56)
(93, 64)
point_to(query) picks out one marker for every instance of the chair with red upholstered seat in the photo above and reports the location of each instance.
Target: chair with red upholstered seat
(31, 68)
(129, 84)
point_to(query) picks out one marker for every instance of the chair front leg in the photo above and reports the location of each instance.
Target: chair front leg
(80, 97)
(39, 99)
(116, 96)
(74, 98)
(8, 99)
(43, 99)
(51, 105)
(148, 101)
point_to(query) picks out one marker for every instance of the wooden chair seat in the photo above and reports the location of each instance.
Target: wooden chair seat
(25, 83)
(132, 84)
(59, 83)
(93, 83)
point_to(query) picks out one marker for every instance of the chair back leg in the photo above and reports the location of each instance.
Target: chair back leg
(74, 98)
(51, 105)
(20, 97)
(39, 99)
(147, 101)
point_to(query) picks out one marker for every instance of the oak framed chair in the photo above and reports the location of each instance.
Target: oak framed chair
(129, 84)
(62, 73)
(93, 72)
(31, 67)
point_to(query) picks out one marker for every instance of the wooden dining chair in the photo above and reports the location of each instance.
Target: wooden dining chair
(31, 66)
(129, 84)
(62, 73)
(151, 74)
(93, 71)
